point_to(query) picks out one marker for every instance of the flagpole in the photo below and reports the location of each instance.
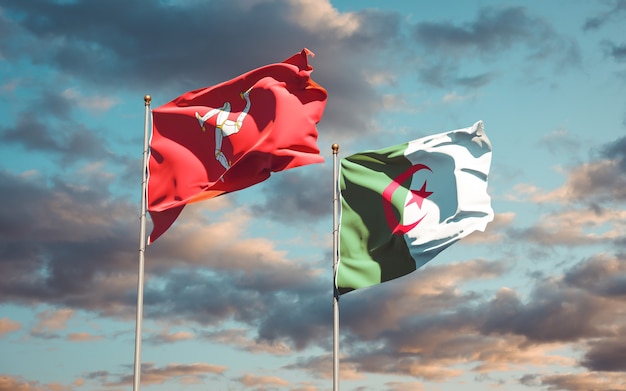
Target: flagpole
(142, 247)
(335, 148)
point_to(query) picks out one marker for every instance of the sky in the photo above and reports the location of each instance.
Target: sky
(238, 293)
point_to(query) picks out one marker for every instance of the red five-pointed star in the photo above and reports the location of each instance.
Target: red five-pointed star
(418, 196)
(396, 227)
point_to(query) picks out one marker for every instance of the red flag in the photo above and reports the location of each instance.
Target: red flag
(224, 138)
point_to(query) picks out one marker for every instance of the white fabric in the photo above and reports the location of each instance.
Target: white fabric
(459, 204)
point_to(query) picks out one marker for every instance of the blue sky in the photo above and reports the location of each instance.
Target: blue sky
(238, 292)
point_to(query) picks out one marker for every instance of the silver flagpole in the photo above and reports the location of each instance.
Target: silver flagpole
(335, 148)
(142, 246)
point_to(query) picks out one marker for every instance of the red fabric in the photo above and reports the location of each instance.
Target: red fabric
(279, 132)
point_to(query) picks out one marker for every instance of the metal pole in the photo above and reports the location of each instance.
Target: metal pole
(142, 246)
(335, 148)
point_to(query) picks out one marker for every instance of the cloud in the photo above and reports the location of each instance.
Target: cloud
(8, 326)
(94, 104)
(560, 140)
(11, 383)
(590, 183)
(616, 151)
(615, 51)
(166, 336)
(252, 380)
(585, 381)
(575, 227)
(239, 339)
(606, 355)
(83, 337)
(495, 231)
(68, 140)
(53, 320)
(84, 260)
(599, 185)
(151, 374)
(312, 14)
(454, 97)
(595, 22)
(82, 243)
(144, 51)
(408, 386)
(553, 315)
(154, 375)
(602, 275)
(414, 295)
(426, 327)
(298, 197)
(476, 81)
(494, 30)
(321, 366)
(253, 263)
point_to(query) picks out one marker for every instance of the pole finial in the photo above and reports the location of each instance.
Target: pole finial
(335, 148)
(147, 99)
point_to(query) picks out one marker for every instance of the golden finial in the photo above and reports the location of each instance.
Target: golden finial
(335, 148)
(147, 99)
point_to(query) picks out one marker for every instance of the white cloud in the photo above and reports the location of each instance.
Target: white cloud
(95, 104)
(314, 15)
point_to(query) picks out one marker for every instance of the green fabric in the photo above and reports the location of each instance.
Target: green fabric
(369, 252)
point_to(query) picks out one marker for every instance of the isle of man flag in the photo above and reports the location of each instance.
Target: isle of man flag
(403, 205)
(227, 137)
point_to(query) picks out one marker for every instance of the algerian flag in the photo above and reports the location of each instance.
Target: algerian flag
(403, 205)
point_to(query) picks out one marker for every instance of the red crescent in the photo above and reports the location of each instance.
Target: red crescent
(396, 227)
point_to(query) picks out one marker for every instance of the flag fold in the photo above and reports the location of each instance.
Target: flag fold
(403, 205)
(230, 136)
